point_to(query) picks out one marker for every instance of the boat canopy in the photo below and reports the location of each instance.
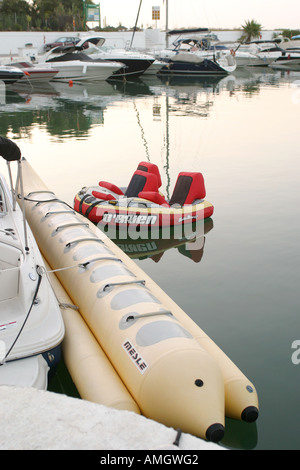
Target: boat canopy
(187, 31)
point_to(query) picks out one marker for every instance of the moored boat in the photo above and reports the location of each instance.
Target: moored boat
(134, 63)
(146, 336)
(194, 64)
(287, 61)
(141, 204)
(31, 326)
(10, 74)
(195, 56)
(77, 66)
(35, 73)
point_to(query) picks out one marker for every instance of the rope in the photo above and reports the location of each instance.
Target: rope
(59, 269)
(43, 270)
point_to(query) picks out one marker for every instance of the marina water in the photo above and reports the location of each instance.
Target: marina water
(239, 280)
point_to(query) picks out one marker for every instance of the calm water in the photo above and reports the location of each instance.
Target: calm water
(240, 282)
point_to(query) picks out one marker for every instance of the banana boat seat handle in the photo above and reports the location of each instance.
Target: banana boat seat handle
(87, 239)
(114, 284)
(59, 212)
(149, 314)
(100, 258)
(61, 227)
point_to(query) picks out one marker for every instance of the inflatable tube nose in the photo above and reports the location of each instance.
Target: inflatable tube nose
(215, 432)
(241, 401)
(185, 389)
(250, 414)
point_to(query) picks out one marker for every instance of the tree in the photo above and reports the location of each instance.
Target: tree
(44, 15)
(251, 30)
(15, 6)
(289, 33)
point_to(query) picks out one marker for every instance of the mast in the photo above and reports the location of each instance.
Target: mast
(136, 21)
(167, 23)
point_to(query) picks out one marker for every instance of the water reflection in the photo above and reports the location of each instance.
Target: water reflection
(66, 111)
(188, 241)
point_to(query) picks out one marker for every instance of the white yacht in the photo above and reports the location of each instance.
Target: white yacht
(287, 61)
(257, 53)
(73, 64)
(196, 56)
(134, 63)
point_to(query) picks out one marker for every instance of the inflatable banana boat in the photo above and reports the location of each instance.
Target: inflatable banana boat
(141, 204)
(173, 371)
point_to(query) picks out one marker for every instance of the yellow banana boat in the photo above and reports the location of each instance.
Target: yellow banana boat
(171, 368)
(92, 373)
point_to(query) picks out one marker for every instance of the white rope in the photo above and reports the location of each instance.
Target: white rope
(42, 270)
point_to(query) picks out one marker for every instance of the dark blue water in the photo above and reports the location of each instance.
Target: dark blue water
(240, 282)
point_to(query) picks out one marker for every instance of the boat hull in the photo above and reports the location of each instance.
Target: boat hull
(132, 67)
(8, 76)
(37, 75)
(111, 215)
(28, 372)
(286, 63)
(206, 67)
(83, 71)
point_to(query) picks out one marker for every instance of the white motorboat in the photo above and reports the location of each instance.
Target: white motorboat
(287, 61)
(192, 43)
(134, 63)
(72, 64)
(35, 73)
(10, 74)
(31, 325)
(257, 53)
(196, 56)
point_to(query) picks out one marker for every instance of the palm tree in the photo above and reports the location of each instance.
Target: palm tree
(251, 30)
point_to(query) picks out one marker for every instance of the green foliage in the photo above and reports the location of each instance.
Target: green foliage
(50, 15)
(251, 30)
(14, 6)
(289, 33)
(45, 15)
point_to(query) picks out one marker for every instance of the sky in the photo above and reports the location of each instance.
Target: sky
(219, 14)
